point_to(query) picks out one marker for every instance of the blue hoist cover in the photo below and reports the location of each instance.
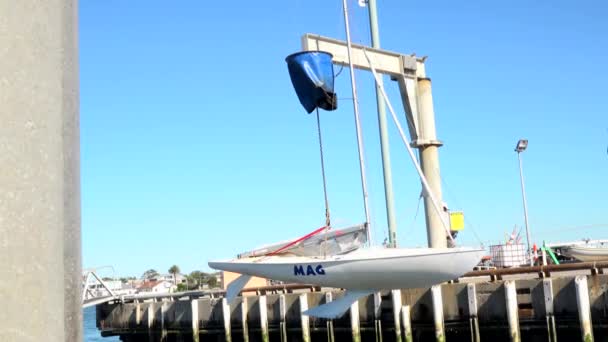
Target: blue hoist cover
(312, 76)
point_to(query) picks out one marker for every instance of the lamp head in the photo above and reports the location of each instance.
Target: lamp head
(521, 146)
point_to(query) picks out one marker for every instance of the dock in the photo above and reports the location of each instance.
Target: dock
(568, 303)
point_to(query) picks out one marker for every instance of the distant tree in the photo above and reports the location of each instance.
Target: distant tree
(107, 279)
(150, 274)
(196, 278)
(197, 275)
(174, 270)
(212, 281)
(126, 279)
(191, 283)
(181, 287)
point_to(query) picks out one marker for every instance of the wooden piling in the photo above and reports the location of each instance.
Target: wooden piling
(407, 323)
(329, 323)
(244, 311)
(512, 310)
(473, 320)
(438, 312)
(304, 318)
(378, 316)
(195, 322)
(396, 301)
(263, 318)
(137, 312)
(163, 313)
(584, 310)
(151, 314)
(226, 318)
(548, 295)
(282, 316)
(354, 322)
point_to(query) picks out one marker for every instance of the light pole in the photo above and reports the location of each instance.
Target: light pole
(521, 146)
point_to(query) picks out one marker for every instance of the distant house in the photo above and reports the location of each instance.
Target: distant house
(228, 277)
(111, 284)
(156, 286)
(97, 289)
(180, 278)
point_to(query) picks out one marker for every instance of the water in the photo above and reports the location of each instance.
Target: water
(90, 332)
(572, 333)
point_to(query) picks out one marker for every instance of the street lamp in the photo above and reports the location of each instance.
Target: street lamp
(521, 146)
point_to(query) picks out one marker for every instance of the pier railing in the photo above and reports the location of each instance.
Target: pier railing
(543, 271)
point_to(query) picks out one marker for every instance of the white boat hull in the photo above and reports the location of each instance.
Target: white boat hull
(587, 254)
(365, 269)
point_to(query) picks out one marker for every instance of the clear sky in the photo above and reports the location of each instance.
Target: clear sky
(195, 147)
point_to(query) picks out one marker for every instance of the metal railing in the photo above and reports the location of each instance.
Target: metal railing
(543, 270)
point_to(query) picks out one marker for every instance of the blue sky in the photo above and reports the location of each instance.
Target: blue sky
(195, 147)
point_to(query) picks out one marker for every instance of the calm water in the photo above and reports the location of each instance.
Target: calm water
(90, 333)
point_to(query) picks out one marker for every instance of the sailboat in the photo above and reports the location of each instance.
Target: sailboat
(588, 250)
(345, 258)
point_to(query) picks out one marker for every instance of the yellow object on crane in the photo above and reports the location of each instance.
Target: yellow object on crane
(456, 221)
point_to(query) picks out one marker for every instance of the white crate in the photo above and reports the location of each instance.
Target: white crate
(509, 255)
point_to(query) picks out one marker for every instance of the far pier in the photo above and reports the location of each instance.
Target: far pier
(543, 303)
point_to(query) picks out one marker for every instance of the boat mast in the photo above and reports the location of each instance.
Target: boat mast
(357, 123)
(391, 220)
(421, 174)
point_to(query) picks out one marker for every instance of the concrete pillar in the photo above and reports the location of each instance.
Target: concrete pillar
(428, 146)
(40, 173)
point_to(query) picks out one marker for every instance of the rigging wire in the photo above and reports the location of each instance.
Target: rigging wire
(468, 221)
(409, 150)
(474, 231)
(571, 228)
(327, 215)
(339, 71)
(357, 122)
(412, 226)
